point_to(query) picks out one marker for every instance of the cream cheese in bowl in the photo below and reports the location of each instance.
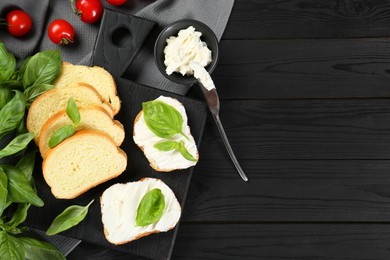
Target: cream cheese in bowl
(184, 48)
(183, 43)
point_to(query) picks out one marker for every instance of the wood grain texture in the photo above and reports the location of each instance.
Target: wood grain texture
(265, 19)
(290, 190)
(301, 129)
(267, 241)
(284, 69)
(282, 241)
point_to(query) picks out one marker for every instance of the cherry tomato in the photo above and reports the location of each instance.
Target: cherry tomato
(60, 32)
(19, 23)
(116, 2)
(90, 11)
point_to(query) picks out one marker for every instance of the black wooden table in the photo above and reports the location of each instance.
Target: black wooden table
(305, 87)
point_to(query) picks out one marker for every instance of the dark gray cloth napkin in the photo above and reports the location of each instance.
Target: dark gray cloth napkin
(214, 13)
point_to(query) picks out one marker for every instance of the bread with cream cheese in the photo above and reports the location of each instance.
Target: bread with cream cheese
(165, 161)
(119, 204)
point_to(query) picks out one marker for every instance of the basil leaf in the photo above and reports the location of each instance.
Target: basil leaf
(11, 248)
(43, 67)
(72, 111)
(26, 165)
(162, 119)
(17, 144)
(19, 188)
(178, 146)
(37, 250)
(165, 145)
(22, 69)
(35, 91)
(12, 113)
(184, 152)
(7, 63)
(60, 135)
(70, 217)
(3, 191)
(19, 215)
(151, 208)
(5, 96)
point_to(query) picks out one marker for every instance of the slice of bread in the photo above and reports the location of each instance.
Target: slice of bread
(55, 100)
(165, 161)
(91, 118)
(82, 162)
(96, 76)
(119, 205)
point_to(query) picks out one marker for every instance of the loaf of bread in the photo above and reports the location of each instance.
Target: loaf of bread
(165, 161)
(81, 162)
(55, 100)
(119, 205)
(91, 118)
(95, 76)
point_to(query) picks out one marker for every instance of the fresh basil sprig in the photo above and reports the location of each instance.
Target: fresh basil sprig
(70, 217)
(42, 68)
(17, 144)
(60, 135)
(12, 113)
(11, 247)
(5, 96)
(162, 119)
(19, 188)
(178, 146)
(7, 63)
(3, 191)
(36, 249)
(151, 208)
(35, 91)
(72, 111)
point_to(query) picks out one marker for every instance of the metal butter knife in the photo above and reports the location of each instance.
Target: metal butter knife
(212, 100)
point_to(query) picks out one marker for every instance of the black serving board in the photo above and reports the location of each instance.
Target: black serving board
(156, 246)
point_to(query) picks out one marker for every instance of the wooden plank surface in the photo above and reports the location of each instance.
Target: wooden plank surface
(282, 19)
(281, 69)
(269, 241)
(301, 129)
(290, 190)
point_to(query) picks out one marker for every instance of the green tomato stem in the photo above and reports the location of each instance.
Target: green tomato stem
(75, 10)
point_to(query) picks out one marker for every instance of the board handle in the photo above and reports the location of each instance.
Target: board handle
(119, 39)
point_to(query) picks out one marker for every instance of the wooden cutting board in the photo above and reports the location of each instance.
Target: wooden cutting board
(114, 54)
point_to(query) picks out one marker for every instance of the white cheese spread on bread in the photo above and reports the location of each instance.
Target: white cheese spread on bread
(119, 205)
(165, 160)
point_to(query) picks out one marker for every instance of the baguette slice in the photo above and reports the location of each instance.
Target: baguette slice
(55, 100)
(96, 76)
(91, 118)
(165, 161)
(82, 162)
(119, 205)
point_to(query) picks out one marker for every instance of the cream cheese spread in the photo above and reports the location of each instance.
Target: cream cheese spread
(119, 205)
(165, 160)
(185, 48)
(201, 74)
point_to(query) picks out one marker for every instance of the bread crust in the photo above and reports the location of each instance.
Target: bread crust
(82, 132)
(105, 231)
(44, 95)
(62, 113)
(100, 70)
(151, 162)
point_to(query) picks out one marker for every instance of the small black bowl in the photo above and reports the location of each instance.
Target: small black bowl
(173, 29)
